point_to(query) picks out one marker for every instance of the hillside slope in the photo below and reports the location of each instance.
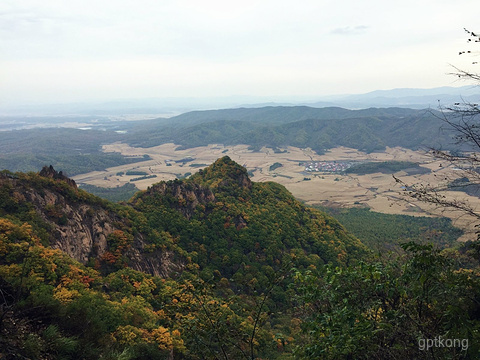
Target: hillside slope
(178, 273)
(74, 151)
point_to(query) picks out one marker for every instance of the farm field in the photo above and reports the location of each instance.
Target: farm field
(378, 191)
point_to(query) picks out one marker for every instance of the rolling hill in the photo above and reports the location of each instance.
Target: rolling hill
(320, 129)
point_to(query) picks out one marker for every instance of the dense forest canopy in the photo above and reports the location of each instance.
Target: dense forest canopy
(385, 232)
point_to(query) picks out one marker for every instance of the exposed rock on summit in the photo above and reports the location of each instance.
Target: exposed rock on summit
(50, 172)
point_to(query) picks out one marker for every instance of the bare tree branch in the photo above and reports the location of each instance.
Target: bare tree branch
(463, 120)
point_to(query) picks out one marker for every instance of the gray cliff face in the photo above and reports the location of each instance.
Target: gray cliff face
(81, 229)
(159, 263)
(84, 234)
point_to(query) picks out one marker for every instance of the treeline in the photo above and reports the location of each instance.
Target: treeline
(465, 185)
(384, 232)
(385, 167)
(143, 177)
(275, 166)
(70, 164)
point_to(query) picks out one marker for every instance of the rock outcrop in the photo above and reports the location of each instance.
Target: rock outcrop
(50, 172)
(79, 227)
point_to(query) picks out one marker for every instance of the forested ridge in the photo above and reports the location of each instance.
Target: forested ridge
(300, 126)
(215, 266)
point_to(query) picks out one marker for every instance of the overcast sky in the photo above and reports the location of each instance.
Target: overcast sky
(54, 51)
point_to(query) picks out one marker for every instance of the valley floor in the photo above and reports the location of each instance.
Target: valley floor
(378, 191)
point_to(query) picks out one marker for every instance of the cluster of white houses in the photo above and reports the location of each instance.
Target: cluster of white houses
(328, 166)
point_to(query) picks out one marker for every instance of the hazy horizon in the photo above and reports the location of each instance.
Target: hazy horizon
(90, 51)
(144, 108)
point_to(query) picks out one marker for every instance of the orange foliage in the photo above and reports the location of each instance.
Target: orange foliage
(109, 257)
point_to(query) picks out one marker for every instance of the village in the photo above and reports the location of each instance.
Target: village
(328, 166)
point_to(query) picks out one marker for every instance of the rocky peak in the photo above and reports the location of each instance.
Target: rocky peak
(50, 172)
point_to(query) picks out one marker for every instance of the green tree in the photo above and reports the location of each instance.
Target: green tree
(387, 310)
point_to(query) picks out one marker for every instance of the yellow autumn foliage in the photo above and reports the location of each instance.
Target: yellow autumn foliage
(163, 338)
(65, 295)
(130, 335)
(3, 244)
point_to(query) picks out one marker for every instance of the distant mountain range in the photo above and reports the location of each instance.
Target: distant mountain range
(409, 98)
